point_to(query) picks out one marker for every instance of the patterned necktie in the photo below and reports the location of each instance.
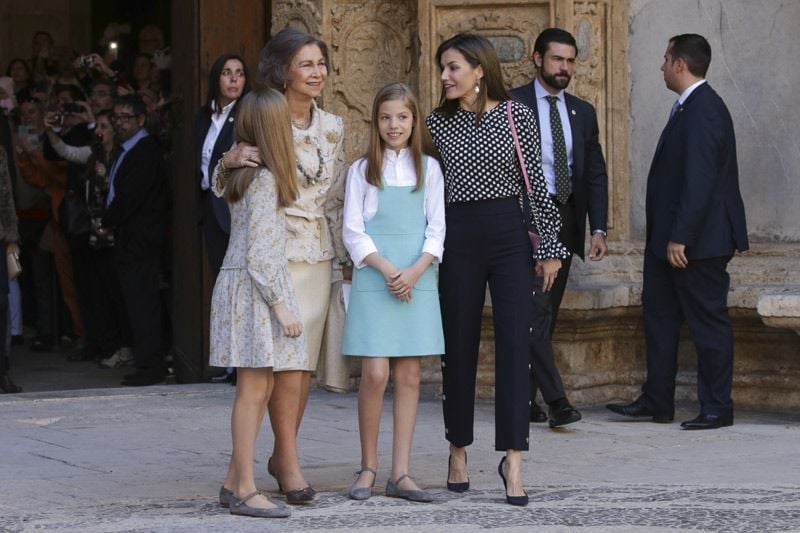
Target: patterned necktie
(563, 183)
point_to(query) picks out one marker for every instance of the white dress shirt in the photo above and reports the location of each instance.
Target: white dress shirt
(217, 122)
(685, 94)
(543, 107)
(361, 203)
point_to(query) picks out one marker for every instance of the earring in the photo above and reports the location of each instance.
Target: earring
(478, 86)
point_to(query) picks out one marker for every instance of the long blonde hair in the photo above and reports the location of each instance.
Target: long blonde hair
(416, 142)
(263, 120)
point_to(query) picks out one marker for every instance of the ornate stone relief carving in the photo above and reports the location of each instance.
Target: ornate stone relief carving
(303, 14)
(590, 81)
(371, 45)
(511, 30)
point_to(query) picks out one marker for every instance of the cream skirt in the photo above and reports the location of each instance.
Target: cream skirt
(312, 285)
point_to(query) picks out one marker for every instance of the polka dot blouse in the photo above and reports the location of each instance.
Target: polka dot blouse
(480, 163)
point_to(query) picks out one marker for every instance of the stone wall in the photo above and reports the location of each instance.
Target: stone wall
(753, 67)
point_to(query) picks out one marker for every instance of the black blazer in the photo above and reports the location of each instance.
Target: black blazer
(138, 212)
(693, 195)
(222, 145)
(589, 177)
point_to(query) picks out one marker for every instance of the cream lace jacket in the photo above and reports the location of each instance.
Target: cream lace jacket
(314, 221)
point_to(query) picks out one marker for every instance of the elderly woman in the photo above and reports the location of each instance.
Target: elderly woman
(296, 63)
(487, 242)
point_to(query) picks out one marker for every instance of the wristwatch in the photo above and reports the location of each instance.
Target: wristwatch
(600, 231)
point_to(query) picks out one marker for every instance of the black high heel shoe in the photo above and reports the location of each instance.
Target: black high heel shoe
(512, 500)
(462, 486)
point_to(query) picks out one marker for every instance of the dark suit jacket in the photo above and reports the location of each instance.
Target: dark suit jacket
(693, 195)
(138, 212)
(589, 178)
(223, 144)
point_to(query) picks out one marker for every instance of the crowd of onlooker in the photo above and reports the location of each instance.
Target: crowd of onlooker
(90, 196)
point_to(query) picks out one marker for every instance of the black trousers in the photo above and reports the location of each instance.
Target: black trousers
(139, 282)
(486, 241)
(698, 295)
(544, 374)
(100, 298)
(216, 240)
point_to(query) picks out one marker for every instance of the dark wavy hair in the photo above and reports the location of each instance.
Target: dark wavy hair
(553, 35)
(477, 51)
(277, 54)
(214, 74)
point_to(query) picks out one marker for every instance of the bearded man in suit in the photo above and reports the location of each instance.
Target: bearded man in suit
(575, 171)
(695, 223)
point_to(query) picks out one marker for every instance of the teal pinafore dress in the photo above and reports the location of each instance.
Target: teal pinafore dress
(379, 324)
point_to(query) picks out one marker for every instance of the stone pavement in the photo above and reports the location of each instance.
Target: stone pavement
(152, 459)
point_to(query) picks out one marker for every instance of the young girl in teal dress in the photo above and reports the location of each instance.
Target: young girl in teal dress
(394, 231)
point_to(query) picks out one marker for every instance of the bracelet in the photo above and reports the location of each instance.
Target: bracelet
(223, 168)
(348, 263)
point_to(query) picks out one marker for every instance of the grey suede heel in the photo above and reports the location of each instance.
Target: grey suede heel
(239, 507)
(225, 497)
(362, 493)
(394, 491)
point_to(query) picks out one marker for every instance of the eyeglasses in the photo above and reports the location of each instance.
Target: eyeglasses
(122, 118)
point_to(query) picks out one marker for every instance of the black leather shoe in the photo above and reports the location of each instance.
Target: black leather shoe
(704, 421)
(7, 386)
(537, 415)
(636, 409)
(562, 413)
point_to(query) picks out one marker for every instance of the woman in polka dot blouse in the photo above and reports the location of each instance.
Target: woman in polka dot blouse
(486, 241)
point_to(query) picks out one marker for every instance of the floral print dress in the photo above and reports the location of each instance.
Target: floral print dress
(253, 278)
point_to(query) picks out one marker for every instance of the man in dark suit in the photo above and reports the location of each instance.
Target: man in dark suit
(695, 223)
(137, 212)
(575, 171)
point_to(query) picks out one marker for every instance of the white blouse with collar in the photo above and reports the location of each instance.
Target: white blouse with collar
(361, 203)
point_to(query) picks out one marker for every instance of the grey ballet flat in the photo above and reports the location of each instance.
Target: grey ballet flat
(225, 497)
(239, 507)
(393, 491)
(362, 493)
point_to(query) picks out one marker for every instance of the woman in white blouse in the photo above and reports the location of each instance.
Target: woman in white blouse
(296, 63)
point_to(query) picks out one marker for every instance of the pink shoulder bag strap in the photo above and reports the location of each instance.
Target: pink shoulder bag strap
(534, 237)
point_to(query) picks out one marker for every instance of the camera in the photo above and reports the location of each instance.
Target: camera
(85, 61)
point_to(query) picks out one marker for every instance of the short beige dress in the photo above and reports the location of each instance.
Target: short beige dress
(254, 277)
